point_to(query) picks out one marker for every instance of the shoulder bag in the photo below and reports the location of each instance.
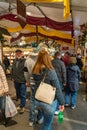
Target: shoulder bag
(45, 92)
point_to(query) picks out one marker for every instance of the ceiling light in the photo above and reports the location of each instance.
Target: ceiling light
(28, 13)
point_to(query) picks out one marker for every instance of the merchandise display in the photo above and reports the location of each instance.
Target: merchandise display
(10, 52)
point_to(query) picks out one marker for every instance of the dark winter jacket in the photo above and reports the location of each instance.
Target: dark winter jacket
(60, 69)
(51, 78)
(18, 70)
(73, 77)
(79, 63)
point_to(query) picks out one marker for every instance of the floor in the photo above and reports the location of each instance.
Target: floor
(73, 119)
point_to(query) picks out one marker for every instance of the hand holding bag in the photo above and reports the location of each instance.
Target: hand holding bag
(10, 108)
(45, 92)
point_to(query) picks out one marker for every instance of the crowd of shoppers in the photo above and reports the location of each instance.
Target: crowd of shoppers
(60, 72)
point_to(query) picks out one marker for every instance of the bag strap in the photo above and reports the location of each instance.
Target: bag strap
(44, 77)
(54, 88)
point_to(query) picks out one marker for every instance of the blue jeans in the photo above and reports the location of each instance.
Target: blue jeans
(2, 106)
(32, 107)
(21, 92)
(2, 102)
(48, 113)
(70, 97)
(57, 108)
(17, 89)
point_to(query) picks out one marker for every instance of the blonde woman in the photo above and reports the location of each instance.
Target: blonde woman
(3, 91)
(43, 66)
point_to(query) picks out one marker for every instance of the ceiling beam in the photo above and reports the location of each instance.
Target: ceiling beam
(53, 5)
(79, 8)
(57, 5)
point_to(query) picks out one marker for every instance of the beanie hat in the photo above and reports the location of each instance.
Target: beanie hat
(18, 51)
(72, 60)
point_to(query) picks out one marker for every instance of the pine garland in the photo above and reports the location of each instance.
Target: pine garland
(84, 34)
(1, 38)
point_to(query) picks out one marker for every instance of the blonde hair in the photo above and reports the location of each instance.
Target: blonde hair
(72, 60)
(43, 60)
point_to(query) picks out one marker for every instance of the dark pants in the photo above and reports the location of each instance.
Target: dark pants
(86, 87)
(21, 93)
(2, 106)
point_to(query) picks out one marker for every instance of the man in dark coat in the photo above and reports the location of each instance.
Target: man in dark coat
(19, 79)
(60, 69)
(79, 61)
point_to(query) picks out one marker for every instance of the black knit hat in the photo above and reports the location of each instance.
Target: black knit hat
(18, 51)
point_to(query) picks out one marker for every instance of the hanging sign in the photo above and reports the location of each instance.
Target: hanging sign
(65, 48)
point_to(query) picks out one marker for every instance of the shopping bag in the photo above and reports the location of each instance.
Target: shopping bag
(10, 108)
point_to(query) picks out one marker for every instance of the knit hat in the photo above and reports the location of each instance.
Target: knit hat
(18, 51)
(72, 60)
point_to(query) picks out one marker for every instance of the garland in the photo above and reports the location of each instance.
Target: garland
(83, 38)
(1, 38)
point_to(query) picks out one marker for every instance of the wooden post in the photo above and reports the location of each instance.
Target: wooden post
(37, 34)
(1, 52)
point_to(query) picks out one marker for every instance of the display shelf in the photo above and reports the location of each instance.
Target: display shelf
(10, 52)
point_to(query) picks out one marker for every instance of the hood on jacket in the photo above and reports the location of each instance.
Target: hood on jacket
(73, 67)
